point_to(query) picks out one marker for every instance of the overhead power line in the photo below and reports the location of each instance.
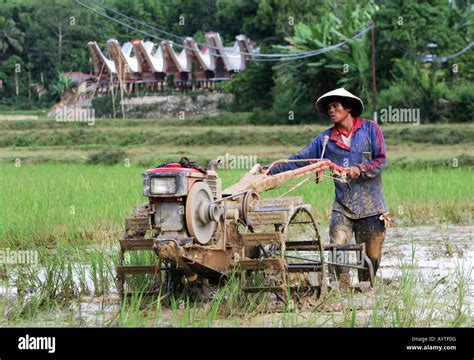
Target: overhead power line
(275, 57)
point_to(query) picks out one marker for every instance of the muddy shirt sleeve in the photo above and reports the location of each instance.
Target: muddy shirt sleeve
(312, 151)
(375, 167)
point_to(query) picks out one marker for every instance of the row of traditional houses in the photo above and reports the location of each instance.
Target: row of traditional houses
(139, 64)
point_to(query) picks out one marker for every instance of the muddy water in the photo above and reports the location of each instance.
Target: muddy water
(438, 252)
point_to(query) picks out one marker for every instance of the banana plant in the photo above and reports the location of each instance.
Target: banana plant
(347, 65)
(61, 86)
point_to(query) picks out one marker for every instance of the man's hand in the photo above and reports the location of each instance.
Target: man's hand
(354, 172)
(257, 169)
(335, 173)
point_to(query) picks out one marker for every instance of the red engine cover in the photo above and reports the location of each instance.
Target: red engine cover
(177, 168)
(173, 167)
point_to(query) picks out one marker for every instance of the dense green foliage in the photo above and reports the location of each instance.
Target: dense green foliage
(40, 40)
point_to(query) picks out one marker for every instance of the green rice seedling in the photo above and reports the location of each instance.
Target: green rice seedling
(134, 311)
(102, 271)
(349, 316)
(461, 304)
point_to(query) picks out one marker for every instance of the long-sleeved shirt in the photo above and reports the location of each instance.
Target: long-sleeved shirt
(364, 196)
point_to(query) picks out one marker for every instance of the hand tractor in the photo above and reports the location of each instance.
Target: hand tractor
(200, 232)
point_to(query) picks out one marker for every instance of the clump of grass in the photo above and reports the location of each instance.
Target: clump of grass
(102, 272)
(227, 305)
(108, 157)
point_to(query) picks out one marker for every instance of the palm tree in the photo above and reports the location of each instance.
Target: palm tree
(11, 38)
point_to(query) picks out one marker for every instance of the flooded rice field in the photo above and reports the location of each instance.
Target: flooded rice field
(436, 252)
(425, 279)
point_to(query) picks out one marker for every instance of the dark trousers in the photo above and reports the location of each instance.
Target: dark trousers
(369, 230)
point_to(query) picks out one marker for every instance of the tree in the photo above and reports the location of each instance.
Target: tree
(61, 86)
(406, 27)
(13, 69)
(11, 38)
(252, 88)
(300, 81)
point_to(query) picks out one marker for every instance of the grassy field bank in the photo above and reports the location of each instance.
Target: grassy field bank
(148, 142)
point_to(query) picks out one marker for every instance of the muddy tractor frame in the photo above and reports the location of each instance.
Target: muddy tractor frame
(198, 231)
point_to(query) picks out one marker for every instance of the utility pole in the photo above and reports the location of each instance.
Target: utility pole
(374, 86)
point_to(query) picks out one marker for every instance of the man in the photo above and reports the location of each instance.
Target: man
(359, 207)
